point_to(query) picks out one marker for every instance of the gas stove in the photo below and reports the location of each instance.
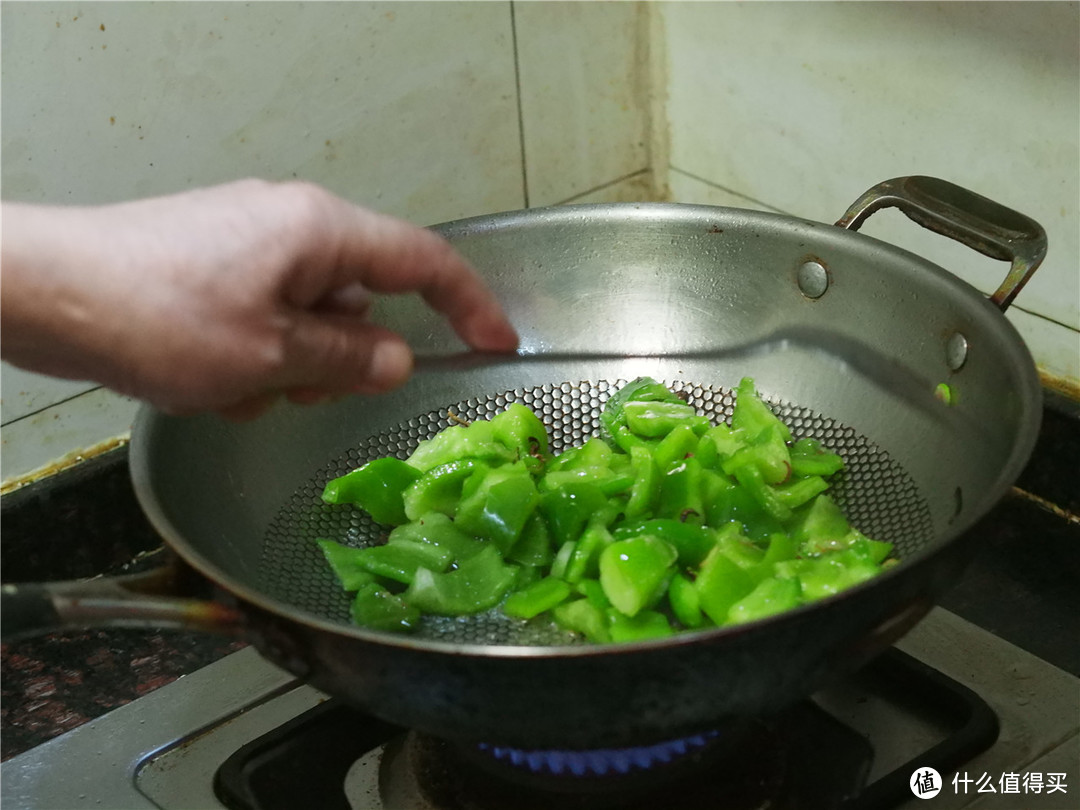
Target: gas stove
(953, 712)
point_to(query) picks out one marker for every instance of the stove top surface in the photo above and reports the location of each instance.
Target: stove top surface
(163, 750)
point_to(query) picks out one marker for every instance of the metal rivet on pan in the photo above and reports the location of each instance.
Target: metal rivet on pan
(813, 279)
(956, 350)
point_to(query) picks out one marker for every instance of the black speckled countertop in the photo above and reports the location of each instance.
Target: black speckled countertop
(1021, 586)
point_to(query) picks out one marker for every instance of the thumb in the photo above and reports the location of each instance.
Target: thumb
(343, 354)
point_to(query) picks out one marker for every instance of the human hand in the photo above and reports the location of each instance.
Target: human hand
(225, 298)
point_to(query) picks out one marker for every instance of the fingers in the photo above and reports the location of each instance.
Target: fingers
(337, 354)
(248, 409)
(388, 255)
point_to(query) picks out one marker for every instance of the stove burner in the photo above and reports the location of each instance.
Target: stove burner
(803, 758)
(601, 761)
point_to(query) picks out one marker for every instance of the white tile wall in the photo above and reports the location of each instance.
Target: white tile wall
(437, 110)
(414, 108)
(583, 70)
(800, 107)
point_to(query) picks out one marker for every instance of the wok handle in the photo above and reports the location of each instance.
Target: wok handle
(153, 599)
(969, 218)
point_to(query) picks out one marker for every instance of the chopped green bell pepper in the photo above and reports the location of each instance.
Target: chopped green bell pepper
(377, 608)
(582, 616)
(376, 487)
(569, 508)
(439, 489)
(345, 562)
(634, 572)
(643, 389)
(520, 430)
(438, 530)
(769, 597)
(399, 561)
(720, 584)
(751, 415)
(641, 627)
(685, 603)
(585, 558)
(498, 505)
(475, 441)
(691, 541)
(544, 594)
(652, 420)
(534, 545)
(809, 458)
(681, 493)
(477, 584)
(666, 523)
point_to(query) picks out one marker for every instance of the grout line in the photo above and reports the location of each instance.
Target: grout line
(44, 408)
(729, 191)
(1044, 317)
(520, 112)
(602, 186)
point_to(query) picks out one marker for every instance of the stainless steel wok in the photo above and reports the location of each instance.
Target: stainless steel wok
(848, 337)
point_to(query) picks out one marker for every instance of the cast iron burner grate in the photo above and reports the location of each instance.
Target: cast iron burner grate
(802, 759)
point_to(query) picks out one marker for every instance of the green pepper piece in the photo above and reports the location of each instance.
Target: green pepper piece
(685, 603)
(771, 596)
(828, 574)
(534, 545)
(438, 530)
(498, 507)
(645, 625)
(809, 458)
(718, 444)
(608, 482)
(457, 442)
(741, 550)
(581, 616)
(345, 563)
(592, 590)
(681, 493)
(873, 551)
(376, 488)
(767, 452)
(477, 584)
(520, 430)
(801, 490)
(751, 415)
(625, 440)
(584, 560)
(643, 389)
(749, 476)
(524, 576)
(720, 584)
(377, 608)
(692, 541)
(681, 442)
(439, 489)
(822, 527)
(570, 507)
(399, 561)
(544, 594)
(634, 572)
(593, 453)
(562, 558)
(652, 420)
(781, 546)
(645, 489)
(727, 501)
